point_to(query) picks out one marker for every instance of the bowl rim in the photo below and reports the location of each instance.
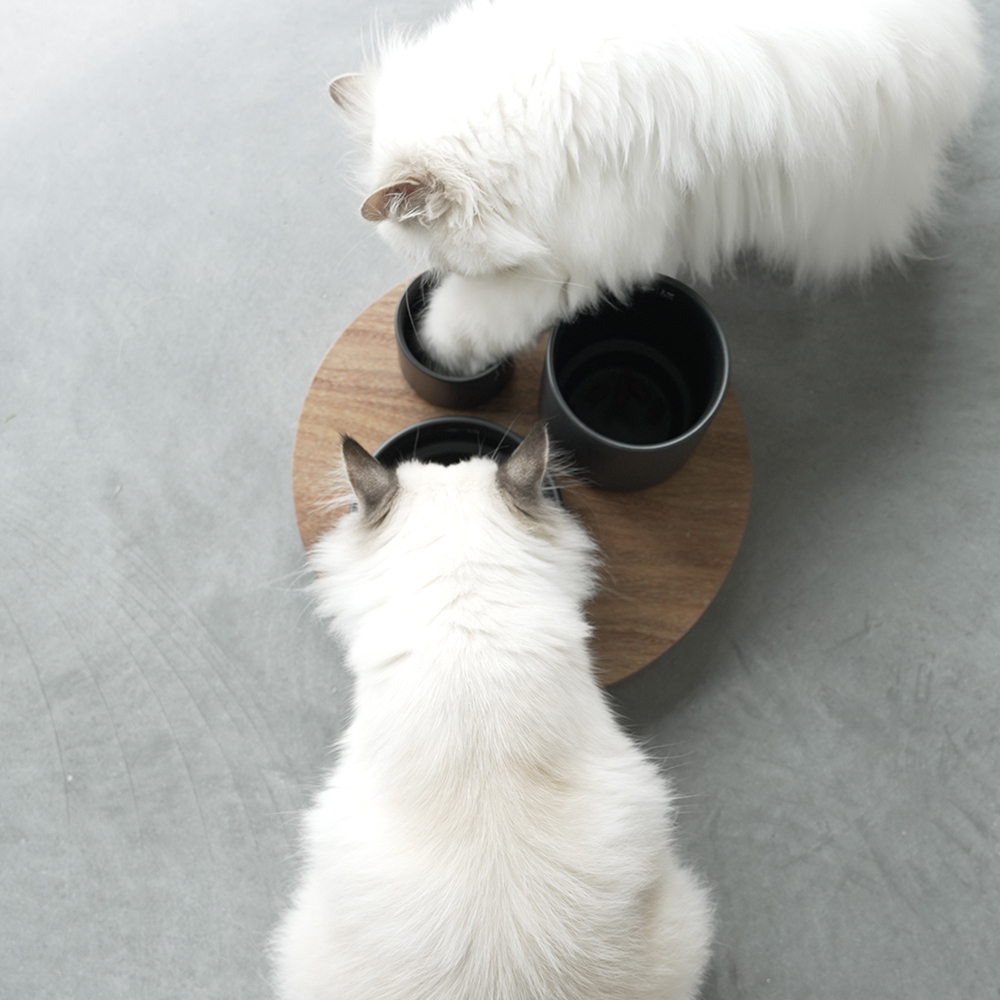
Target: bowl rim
(550, 485)
(458, 418)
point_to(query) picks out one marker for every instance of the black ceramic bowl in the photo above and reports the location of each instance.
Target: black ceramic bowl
(448, 440)
(455, 392)
(629, 389)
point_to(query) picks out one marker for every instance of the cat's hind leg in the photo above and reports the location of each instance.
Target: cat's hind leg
(472, 322)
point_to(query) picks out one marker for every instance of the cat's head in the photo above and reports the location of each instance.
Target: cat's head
(425, 537)
(443, 197)
(511, 488)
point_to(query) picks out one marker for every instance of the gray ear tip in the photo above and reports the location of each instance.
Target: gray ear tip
(374, 484)
(523, 472)
(356, 453)
(538, 436)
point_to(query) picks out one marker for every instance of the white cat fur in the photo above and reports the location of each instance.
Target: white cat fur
(489, 831)
(543, 150)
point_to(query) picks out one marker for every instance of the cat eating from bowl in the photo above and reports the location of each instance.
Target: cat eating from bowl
(489, 830)
(542, 153)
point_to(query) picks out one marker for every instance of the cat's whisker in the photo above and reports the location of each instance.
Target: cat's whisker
(294, 581)
(354, 249)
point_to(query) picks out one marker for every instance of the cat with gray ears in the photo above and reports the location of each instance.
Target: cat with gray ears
(544, 152)
(488, 830)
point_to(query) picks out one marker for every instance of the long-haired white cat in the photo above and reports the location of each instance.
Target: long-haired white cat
(542, 151)
(489, 832)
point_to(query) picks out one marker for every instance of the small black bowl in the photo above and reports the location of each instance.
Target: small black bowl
(454, 392)
(447, 440)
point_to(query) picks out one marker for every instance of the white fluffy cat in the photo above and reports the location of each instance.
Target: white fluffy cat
(543, 150)
(489, 831)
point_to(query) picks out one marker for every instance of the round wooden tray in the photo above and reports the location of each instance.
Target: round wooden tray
(667, 549)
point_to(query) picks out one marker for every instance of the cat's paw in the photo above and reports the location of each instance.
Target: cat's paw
(456, 332)
(453, 340)
(470, 323)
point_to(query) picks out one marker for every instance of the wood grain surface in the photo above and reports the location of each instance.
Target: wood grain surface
(667, 549)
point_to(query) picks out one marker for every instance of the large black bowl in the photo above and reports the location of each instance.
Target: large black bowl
(630, 388)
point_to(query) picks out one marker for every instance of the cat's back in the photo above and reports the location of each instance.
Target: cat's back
(547, 880)
(517, 851)
(509, 76)
(489, 38)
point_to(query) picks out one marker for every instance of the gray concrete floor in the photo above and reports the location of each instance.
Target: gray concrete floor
(178, 250)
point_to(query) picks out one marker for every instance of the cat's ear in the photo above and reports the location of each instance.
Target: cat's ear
(373, 484)
(402, 199)
(350, 92)
(520, 477)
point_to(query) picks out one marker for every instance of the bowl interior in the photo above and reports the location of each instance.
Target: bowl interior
(448, 440)
(642, 373)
